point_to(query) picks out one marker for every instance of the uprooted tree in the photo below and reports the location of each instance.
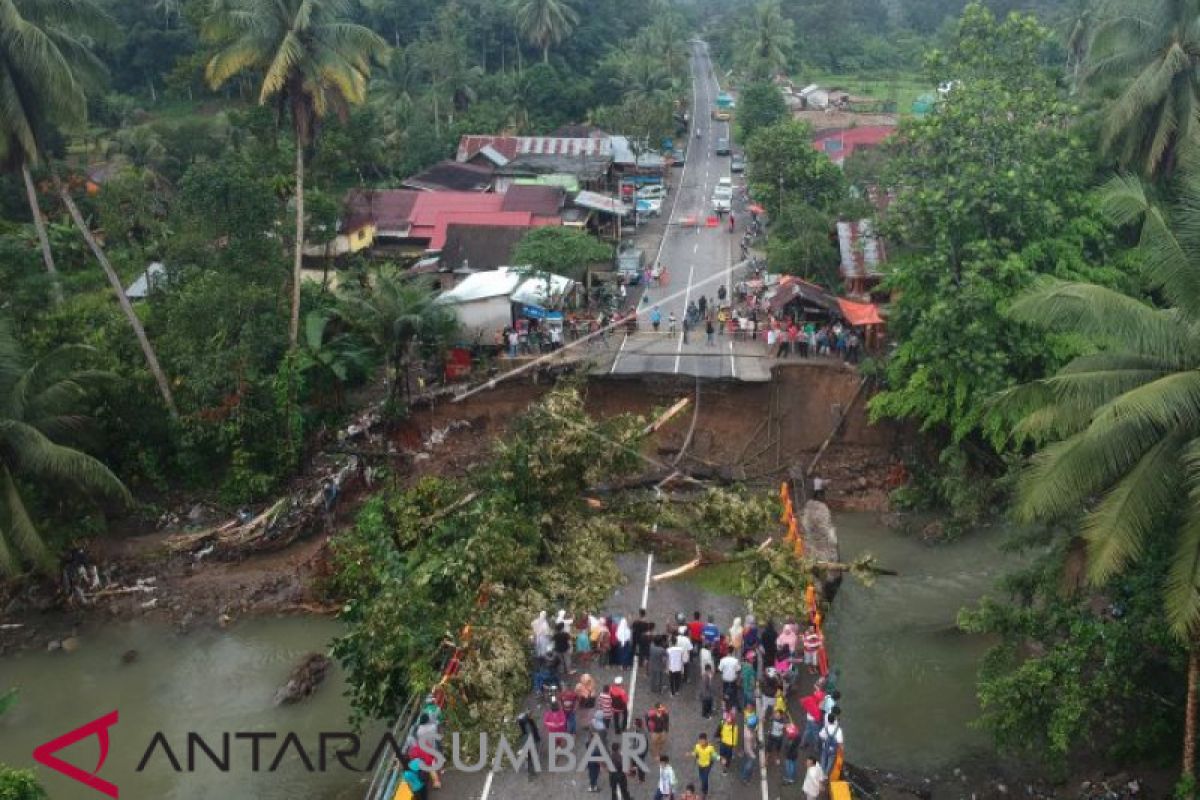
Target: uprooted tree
(491, 550)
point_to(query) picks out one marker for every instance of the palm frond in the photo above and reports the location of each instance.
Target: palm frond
(30, 452)
(21, 529)
(1107, 318)
(1117, 527)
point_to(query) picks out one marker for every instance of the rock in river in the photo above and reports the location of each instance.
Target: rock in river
(304, 680)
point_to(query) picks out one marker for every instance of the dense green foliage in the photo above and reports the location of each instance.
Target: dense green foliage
(1071, 671)
(513, 538)
(20, 784)
(563, 251)
(995, 194)
(760, 105)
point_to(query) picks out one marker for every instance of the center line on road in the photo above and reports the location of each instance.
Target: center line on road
(645, 599)
(617, 357)
(732, 359)
(695, 247)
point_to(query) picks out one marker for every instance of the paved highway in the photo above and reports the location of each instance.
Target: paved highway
(698, 260)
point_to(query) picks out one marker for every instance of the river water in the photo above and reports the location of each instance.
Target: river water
(907, 674)
(207, 681)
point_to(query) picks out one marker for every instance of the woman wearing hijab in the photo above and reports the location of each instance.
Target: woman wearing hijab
(735, 635)
(541, 634)
(624, 644)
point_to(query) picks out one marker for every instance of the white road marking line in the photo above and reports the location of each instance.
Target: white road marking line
(645, 600)
(695, 247)
(686, 299)
(617, 357)
(487, 785)
(732, 359)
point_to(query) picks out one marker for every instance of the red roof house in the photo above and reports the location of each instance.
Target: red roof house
(841, 144)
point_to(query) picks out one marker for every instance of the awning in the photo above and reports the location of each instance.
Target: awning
(860, 313)
(601, 202)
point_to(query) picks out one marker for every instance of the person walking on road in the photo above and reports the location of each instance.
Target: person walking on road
(730, 669)
(731, 222)
(704, 754)
(686, 325)
(620, 703)
(655, 318)
(709, 332)
(666, 779)
(658, 664)
(831, 742)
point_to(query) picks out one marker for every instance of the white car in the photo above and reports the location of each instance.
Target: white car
(652, 192)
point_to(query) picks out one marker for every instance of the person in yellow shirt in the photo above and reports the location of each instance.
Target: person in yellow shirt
(729, 740)
(704, 753)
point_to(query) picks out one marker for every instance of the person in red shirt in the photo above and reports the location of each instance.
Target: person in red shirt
(811, 703)
(696, 633)
(620, 705)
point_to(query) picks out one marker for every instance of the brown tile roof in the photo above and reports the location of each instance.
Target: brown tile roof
(541, 201)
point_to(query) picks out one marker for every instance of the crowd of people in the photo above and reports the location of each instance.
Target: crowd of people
(746, 677)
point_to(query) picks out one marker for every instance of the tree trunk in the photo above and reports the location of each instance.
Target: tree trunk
(39, 225)
(546, 54)
(298, 264)
(164, 387)
(1189, 714)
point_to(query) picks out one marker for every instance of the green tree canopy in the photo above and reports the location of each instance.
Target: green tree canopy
(993, 194)
(760, 105)
(785, 168)
(564, 251)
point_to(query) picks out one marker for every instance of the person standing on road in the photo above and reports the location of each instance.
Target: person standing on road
(731, 221)
(658, 664)
(831, 742)
(791, 754)
(686, 325)
(814, 779)
(620, 703)
(618, 784)
(641, 629)
(730, 669)
(709, 332)
(641, 750)
(704, 753)
(727, 732)
(676, 657)
(658, 723)
(749, 747)
(655, 318)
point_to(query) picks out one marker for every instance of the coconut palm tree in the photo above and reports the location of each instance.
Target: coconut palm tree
(1150, 52)
(41, 410)
(45, 65)
(1119, 427)
(44, 62)
(313, 63)
(545, 23)
(764, 43)
(397, 317)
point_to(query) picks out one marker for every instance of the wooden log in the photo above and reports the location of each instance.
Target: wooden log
(666, 416)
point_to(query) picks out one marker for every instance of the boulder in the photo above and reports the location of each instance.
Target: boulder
(70, 644)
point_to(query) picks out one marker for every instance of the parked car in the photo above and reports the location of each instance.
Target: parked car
(678, 158)
(722, 146)
(649, 207)
(737, 163)
(629, 263)
(655, 191)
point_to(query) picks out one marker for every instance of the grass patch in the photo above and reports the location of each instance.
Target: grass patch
(903, 87)
(723, 578)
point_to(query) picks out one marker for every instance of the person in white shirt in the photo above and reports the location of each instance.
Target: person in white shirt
(676, 658)
(685, 644)
(814, 778)
(831, 742)
(666, 779)
(730, 668)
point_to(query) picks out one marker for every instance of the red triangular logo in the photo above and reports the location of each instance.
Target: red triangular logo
(44, 754)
